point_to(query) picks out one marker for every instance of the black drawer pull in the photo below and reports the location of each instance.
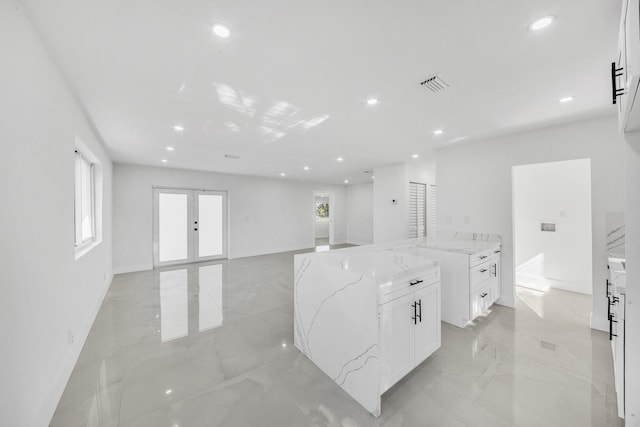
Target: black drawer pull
(415, 282)
(483, 256)
(484, 270)
(496, 252)
(483, 295)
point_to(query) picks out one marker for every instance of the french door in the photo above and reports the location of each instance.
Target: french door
(188, 226)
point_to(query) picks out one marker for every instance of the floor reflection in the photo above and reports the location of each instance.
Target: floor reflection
(210, 297)
(174, 305)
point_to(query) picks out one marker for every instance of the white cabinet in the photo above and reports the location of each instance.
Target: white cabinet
(626, 68)
(616, 297)
(470, 283)
(409, 332)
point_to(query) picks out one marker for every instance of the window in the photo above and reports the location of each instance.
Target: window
(85, 224)
(322, 210)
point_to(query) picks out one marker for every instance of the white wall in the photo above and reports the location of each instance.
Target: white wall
(390, 221)
(360, 214)
(474, 180)
(265, 215)
(559, 192)
(632, 320)
(46, 293)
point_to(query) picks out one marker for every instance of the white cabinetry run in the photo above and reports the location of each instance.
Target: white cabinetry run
(366, 316)
(470, 272)
(625, 71)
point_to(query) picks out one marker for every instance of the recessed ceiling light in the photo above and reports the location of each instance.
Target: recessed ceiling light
(339, 159)
(541, 23)
(373, 177)
(306, 168)
(566, 99)
(415, 156)
(372, 101)
(170, 148)
(438, 132)
(178, 128)
(346, 181)
(221, 31)
(168, 391)
(164, 160)
(283, 174)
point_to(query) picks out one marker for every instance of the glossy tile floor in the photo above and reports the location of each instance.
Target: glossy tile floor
(211, 344)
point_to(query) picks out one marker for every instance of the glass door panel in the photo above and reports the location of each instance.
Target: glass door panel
(173, 231)
(211, 209)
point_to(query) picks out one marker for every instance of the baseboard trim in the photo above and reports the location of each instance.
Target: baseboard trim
(133, 268)
(49, 406)
(358, 243)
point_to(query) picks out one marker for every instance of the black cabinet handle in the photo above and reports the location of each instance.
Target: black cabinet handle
(483, 256)
(415, 314)
(494, 267)
(483, 270)
(195, 229)
(483, 295)
(415, 282)
(615, 92)
(496, 252)
(420, 313)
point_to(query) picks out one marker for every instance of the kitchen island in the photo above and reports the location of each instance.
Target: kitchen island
(367, 315)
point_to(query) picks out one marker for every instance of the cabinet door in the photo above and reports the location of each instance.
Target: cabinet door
(479, 302)
(427, 330)
(494, 269)
(396, 340)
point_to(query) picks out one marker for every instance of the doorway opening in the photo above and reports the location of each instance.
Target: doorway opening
(323, 214)
(188, 226)
(552, 226)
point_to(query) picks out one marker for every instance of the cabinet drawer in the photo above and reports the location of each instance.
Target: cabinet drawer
(395, 290)
(479, 258)
(479, 302)
(479, 275)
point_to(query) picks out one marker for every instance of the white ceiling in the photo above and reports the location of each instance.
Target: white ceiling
(288, 87)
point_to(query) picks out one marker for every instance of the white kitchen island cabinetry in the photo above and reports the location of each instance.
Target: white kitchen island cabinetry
(366, 316)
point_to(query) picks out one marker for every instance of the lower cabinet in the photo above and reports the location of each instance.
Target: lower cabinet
(409, 332)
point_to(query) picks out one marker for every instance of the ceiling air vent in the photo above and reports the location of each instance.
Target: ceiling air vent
(232, 156)
(435, 84)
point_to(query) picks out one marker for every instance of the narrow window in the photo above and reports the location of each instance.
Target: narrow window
(85, 223)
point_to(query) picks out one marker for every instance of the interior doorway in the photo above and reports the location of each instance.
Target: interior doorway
(188, 226)
(552, 225)
(323, 215)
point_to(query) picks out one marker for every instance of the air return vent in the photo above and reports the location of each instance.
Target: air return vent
(435, 84)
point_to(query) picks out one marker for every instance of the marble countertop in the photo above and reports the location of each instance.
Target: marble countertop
(464, 246)
(378, 262)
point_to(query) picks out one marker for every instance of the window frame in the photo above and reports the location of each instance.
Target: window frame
(80, 243)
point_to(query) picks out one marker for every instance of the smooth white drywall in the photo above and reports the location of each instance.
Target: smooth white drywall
(474, 180)
(390, 194)
(557, 192)
(265, 215)
(46, 293)
(391, 219)
(632, 318)
(360, 214)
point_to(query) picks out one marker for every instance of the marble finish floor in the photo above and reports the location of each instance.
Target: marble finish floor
(211, 344)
